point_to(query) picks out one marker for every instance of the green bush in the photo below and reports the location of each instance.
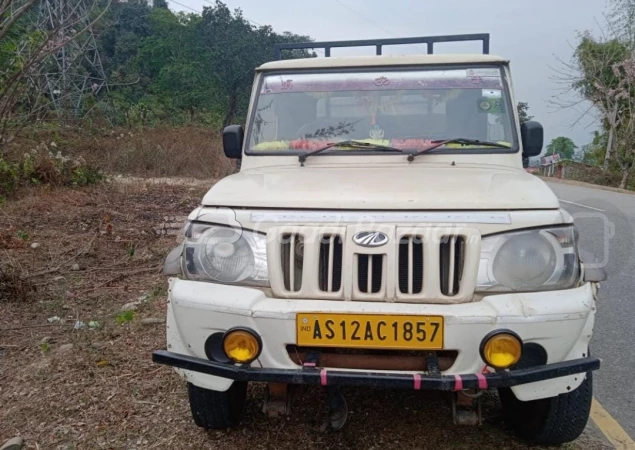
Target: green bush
(42, 166)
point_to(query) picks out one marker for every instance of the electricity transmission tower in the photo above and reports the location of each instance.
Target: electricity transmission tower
(74, 71)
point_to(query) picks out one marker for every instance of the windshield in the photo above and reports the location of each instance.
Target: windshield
(405, 109)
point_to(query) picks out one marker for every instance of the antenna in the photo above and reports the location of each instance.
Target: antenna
(75, 68)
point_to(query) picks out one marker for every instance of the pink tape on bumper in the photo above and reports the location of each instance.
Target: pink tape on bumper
(458, 383)
(417, 378)
(309, 364)
(482, 381)
(323, 377)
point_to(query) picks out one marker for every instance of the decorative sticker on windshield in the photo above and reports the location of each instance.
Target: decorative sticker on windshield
(321, 82)
(491, 105)
(382, 81)
(485, 73)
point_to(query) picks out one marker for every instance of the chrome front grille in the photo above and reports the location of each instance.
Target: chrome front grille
(424, 265)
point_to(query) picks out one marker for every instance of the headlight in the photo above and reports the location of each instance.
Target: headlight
(225, 255)
(532, 260)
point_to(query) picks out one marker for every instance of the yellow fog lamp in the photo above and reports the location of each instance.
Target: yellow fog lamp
(242, 345)
(501, 349)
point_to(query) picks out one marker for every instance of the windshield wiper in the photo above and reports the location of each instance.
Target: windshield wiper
(354, 144)
(464, 141)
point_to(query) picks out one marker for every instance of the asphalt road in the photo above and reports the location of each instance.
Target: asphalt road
(606, 221)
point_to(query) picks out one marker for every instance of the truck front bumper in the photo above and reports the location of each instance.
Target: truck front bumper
(325, 377)
(561, 322)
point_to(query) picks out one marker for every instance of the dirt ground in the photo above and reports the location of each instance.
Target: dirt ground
(76, 371)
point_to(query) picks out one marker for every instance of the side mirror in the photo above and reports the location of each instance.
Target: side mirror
(532, 136)
(233, 136)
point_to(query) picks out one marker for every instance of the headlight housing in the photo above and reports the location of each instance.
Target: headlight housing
(530, 260)
(225, 255)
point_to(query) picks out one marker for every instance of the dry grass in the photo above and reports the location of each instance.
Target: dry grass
(105, 392)
(192, 151)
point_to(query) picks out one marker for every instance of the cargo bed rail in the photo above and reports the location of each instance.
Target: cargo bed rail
(380, 43)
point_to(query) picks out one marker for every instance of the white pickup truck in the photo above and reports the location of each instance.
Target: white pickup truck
(383, 232)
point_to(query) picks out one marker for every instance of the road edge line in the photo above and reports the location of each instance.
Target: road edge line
(581, 205)
(611, 429)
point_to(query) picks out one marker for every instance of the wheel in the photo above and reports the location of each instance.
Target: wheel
(217, 410)
(550, 421)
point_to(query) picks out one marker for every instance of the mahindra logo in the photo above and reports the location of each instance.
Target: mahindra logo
(370, 238)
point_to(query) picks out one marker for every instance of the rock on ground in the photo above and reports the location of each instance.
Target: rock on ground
(152, 321)
(132, 306)
(65, 348)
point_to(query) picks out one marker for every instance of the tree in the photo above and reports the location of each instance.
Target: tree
(596, 60)
(593, 153)
(234, 49)
(609, 82)
(523, 114)
(185, 67)
(603, 72)
(562, 145)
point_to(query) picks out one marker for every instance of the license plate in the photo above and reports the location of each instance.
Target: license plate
(370, 331)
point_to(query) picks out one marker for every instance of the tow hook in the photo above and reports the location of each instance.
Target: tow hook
(338, 410)
(466, 407)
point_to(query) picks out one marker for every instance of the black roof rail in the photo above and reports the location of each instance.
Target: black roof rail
(379, 43)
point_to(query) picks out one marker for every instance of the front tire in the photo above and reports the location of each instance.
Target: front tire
(550, 421)
(217, 410)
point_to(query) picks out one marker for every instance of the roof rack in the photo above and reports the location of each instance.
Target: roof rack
(379, 43)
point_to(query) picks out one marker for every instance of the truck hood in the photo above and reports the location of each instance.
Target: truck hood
(405, 187)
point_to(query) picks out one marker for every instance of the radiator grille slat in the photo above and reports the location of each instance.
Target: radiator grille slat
(330, 263)
(370, 272)
(451, 262)
(410, 265)
(292, 266)
(330, 272)
(292, 260)
(369, 281)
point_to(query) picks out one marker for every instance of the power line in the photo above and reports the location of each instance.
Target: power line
(365, 18)
(247, 19)
(372, 22)
(185, 6)
(258, 24)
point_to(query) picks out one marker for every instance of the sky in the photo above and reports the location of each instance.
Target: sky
(535, 36)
